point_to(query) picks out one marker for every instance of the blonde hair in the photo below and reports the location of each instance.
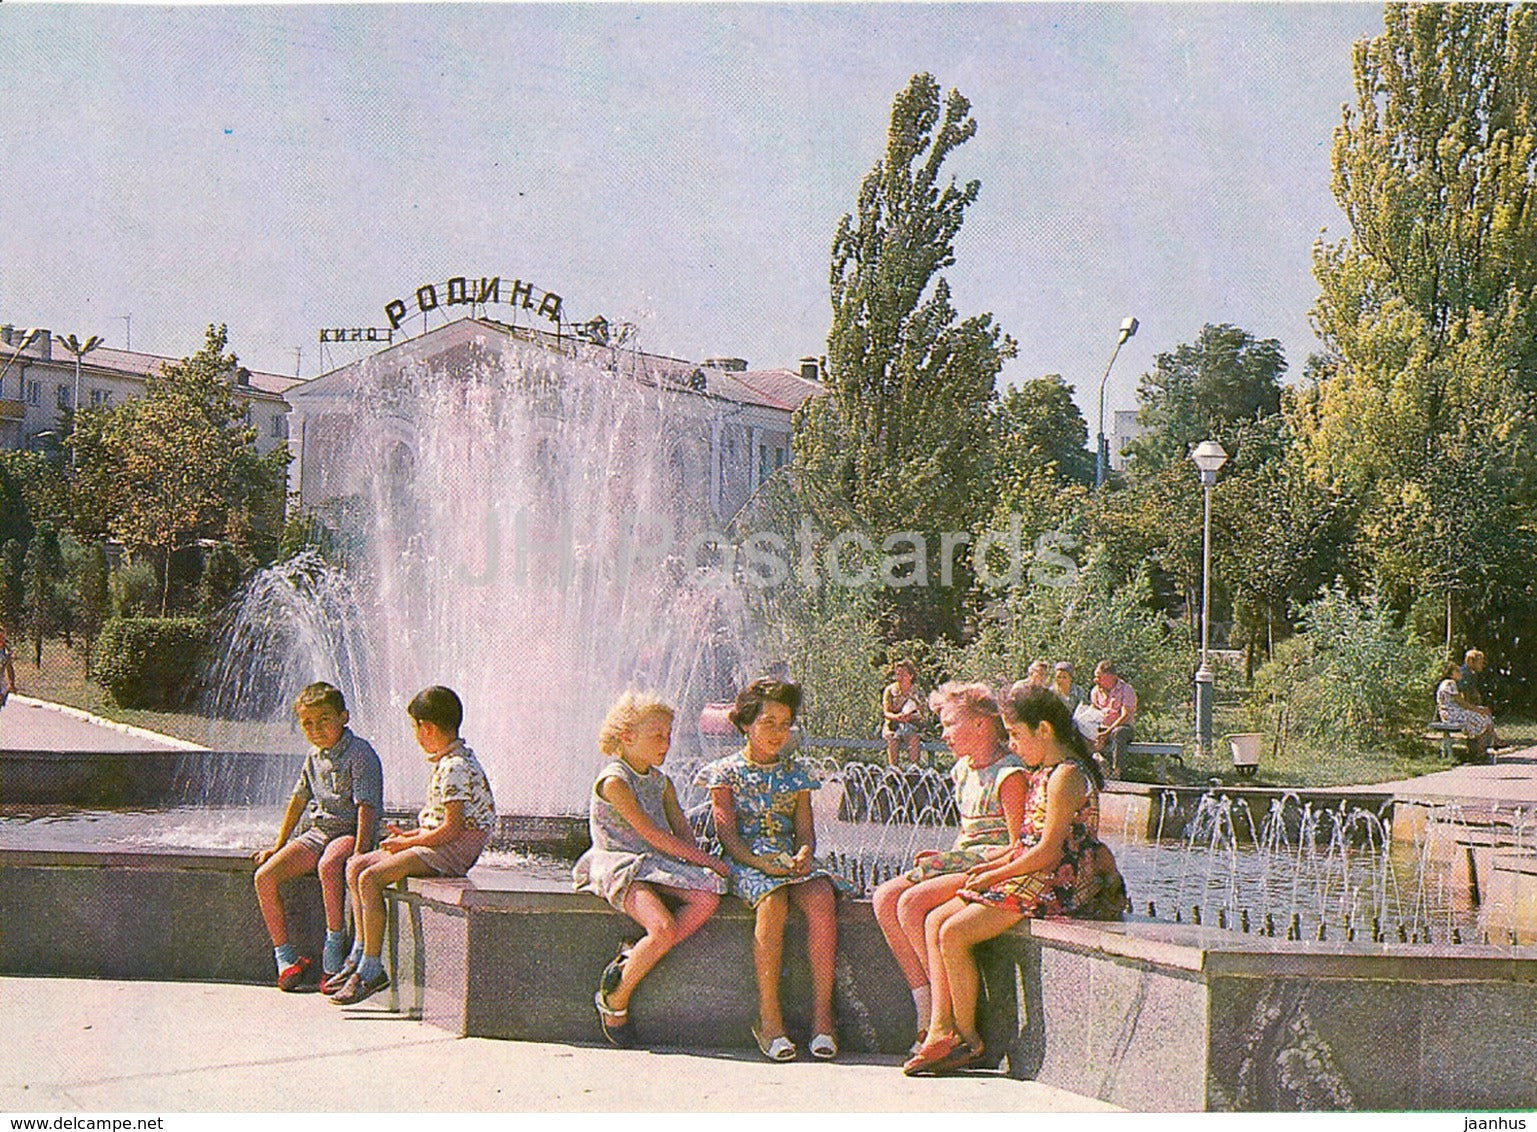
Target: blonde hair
(625, 715)
(972, 699)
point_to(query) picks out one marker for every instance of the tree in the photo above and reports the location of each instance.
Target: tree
(1427, 415)
(178, 464)
(1039, 427)
(92, 597)
(900, 442)
(1206, 389)
(42, 602)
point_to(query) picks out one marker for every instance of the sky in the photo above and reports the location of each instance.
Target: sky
(679, 167)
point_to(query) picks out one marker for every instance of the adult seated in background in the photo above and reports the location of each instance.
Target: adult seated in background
(1038, 675)
(1476, 722)
(1472, 693)
(901, 706)
(1068, 692)
(1116, 701)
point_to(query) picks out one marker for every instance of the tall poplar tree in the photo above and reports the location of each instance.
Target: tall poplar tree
(901, 440)
(1427, 414)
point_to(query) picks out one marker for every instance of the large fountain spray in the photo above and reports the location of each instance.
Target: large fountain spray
(522, 526)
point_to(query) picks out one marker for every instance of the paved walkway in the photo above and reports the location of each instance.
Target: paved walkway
(1511, 781)
(27, 724)
(78, 1045)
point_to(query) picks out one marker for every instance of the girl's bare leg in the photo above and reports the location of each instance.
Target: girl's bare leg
(819, 904)
(913, 907)
(664, 931)
(768, 945)
(941, 1017)
(957, 935)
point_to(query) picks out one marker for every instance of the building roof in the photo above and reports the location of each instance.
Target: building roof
(106, 360)
(780, 389)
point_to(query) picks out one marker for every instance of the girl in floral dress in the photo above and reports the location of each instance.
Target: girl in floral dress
(1052, 870)
(644, 859)
(990, 788)
(761, 804)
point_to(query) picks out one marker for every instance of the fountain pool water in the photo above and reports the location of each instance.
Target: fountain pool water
(1301, 872)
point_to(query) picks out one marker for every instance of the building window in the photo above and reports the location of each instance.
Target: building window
(61, 397)
(277, 427)
(100, 397)
(34, 392)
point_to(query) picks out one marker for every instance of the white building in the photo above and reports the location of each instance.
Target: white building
(745, 414)
(1123, 430)
(37, 386)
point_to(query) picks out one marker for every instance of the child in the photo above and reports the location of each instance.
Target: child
(990, 793)
(761, 803)
(1058, 867)
(642, 850)
(452, 829)
(899, 707)
(339, 795)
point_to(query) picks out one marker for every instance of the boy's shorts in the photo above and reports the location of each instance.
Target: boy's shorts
(456, 857)
(316, 841)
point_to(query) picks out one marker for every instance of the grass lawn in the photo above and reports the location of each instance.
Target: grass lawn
(62, 679)
(1303, 762)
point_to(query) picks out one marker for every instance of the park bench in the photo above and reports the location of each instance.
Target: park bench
(1144, 756)
(1447, 735)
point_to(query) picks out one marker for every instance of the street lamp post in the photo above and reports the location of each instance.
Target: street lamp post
(74, 346)
(27, 338)
(1101, 453)
(1208, 457)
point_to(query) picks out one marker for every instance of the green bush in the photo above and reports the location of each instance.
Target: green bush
(135, 590)
(150, 662)
(1354, 672)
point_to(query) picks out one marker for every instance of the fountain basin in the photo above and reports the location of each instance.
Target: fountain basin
(1150, 1016)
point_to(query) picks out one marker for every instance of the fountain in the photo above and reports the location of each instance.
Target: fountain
(511, 524)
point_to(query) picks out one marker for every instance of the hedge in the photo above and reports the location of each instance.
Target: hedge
(150, 662)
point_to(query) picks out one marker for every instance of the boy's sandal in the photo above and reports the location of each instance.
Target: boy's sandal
(618, 1033)
(823, 1047)
(330, 984)
(292, 975)
(775, 1049)
(923, 1036)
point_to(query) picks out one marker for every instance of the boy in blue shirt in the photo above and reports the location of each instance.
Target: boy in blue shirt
(335, 807)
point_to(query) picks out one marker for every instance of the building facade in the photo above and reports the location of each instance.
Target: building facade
(38, 384)
(728, 427)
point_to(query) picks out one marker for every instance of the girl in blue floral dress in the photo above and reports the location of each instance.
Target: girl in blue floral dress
(761, 803)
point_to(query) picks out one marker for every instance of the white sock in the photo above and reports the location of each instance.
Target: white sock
(923, 1001)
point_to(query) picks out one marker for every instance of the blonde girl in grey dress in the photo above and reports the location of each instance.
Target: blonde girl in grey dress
(644, 859)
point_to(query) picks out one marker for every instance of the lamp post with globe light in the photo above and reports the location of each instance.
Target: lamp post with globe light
(1208, 457)
(80, 350)
(1101, 454)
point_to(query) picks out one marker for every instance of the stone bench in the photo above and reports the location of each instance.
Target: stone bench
(1148, 1016)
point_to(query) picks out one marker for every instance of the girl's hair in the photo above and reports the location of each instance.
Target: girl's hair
(321, 694)
(906, 666)
(764, 690)
(975, 700)
(1450, 669)
(625, 715)
(1034, 705)
(438, 706)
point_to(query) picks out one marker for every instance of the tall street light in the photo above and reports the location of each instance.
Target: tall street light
(1209, 457)
(27, 337)
(1102, 453)
(74, 346)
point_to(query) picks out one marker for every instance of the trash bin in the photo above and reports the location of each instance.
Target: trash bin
(1246, 745)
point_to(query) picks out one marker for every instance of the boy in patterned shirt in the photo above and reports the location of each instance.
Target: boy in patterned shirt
(335, 807)
(453, 827)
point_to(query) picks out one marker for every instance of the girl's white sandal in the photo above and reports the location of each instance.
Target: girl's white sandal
(775, 1049)
(824, 1047)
